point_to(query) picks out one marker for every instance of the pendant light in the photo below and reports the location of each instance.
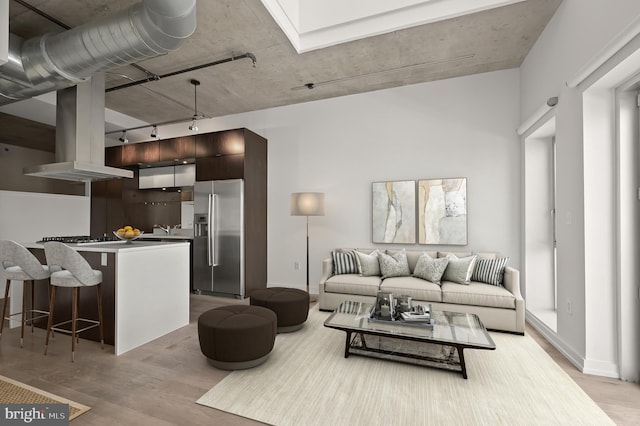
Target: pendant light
(194, 122)
(154, 132)
(123, 138)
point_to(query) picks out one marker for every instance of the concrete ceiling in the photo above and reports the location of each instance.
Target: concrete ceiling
(490, 40)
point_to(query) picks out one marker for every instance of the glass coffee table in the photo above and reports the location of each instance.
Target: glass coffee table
(440, 344)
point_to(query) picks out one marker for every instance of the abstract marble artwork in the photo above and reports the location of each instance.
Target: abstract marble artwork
(394, 212)
(442, 211)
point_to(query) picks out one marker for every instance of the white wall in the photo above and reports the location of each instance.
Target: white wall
(29, 216)
(577, 33)
(463, 127)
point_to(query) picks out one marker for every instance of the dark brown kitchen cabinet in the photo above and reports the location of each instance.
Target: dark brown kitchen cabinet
(229, 142)
(181, 148)
(141, 153)
(219, 168)
(113, 156)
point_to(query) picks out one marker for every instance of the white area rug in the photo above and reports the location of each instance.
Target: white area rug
(307, 381)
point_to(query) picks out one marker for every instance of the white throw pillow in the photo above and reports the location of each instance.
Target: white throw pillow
(459, 270)
(368, 263)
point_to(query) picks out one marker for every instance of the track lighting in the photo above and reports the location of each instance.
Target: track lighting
(123, 138)
(154, 132)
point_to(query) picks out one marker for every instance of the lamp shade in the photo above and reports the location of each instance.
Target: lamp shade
(307, 204)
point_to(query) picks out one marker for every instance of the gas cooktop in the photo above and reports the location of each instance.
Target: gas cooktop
(80, 239)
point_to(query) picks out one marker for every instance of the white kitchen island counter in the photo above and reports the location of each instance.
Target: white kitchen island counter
(145, 289)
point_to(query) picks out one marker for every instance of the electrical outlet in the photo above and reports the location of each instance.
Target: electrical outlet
(296, 265)
(569, 307)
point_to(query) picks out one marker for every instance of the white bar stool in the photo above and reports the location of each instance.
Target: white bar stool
(69, 269)
(19, 264)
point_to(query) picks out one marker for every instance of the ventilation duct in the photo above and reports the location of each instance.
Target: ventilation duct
(55, 61)
(67, 61)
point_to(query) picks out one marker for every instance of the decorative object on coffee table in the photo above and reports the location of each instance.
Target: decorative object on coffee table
(384, 305)
(291, 306)
(307, 204)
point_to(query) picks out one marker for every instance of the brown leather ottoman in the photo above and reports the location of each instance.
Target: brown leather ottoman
(290, 305)
(236, 337)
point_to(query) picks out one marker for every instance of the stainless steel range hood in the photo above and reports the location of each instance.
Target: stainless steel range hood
(80, 136)
(78, 172)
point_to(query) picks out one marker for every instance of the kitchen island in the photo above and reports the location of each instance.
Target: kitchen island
(145, 290)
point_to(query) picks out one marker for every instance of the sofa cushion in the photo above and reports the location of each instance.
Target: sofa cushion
(368, 264)
(490, 271)
(394, 266)
(478, 294)
(353, 284)
(415, 287)
(344, 263)
(459, 270)
(430, 269)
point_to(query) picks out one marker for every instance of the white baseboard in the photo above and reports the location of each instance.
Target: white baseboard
(586, 366)
(601, 368)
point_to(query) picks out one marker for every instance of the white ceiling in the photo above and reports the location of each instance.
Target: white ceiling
(311, 24)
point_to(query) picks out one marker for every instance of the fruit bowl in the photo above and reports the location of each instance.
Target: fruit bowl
(127, 238)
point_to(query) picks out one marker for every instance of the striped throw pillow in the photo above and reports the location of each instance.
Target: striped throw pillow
(344, 263)
(490, 271)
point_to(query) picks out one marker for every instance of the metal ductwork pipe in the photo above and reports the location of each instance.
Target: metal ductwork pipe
(56, 61)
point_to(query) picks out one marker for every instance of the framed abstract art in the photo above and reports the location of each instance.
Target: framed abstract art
(394, 212)
(442, 211)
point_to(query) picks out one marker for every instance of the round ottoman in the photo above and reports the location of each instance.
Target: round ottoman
(290, 305)
(236, 337)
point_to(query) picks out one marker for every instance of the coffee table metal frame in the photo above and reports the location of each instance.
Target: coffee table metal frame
(453, 331)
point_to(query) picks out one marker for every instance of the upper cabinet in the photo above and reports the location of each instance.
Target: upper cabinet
(176, 149)
(232, 154)
(229, 142)
(141, 153)
(113, 156)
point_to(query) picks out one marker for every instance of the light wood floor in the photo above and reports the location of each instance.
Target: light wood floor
(158, 383)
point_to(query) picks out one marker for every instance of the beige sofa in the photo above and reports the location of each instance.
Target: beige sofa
(499, 307)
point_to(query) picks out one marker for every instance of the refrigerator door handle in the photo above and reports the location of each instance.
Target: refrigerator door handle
(212, 231)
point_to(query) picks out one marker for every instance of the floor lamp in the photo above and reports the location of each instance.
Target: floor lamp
(307, 204)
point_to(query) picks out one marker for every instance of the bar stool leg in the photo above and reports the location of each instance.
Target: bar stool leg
(4, 305)
(23, 313)
(74, 320)
(100, 316)
(33, 304)
(52, 303)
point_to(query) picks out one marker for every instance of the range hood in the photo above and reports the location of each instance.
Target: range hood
(80, 136)
(77, 172)
(72, 63)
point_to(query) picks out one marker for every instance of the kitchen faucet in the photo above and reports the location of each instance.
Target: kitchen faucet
(165, 228)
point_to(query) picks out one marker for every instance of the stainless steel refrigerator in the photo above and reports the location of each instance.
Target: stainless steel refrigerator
(218, 241)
